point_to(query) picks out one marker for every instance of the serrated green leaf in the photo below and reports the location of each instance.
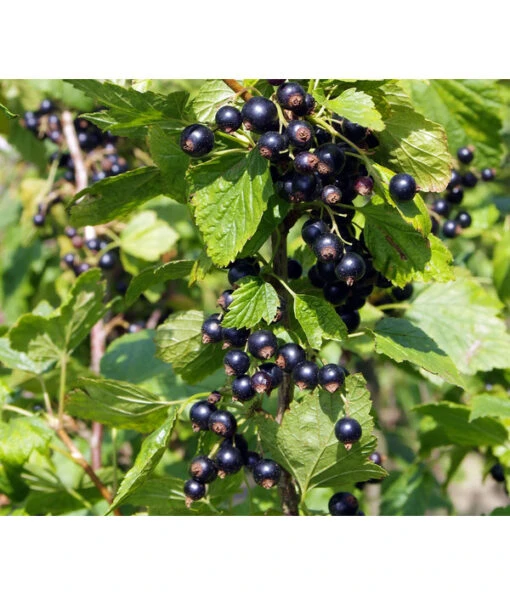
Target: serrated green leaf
(357, 107)
(147, 237)
(17, 360)
(253, 301)
(179, 342)
(501, 262)
(487, 405)
(209, 98)
(228, 210)
(401, 340)
(319, 320)
(172, 162)
(117, 404)
(306, 446)
(19, 437)
(150, 454)
(176, 269)
(462, 318)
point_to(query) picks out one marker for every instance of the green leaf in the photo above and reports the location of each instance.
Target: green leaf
(17, 360)
(172, 162)
(153, 448)
(501, 263)
(228, 210)
(209, 98)
(20, 437)
(319, 320)
(116, 197)
(147, 237)
(306, 446)
(176, 269)
(414, 145)
(401, 340)
(179, 342)
(470, 111)
(461, 317)
(357, 107)
(501, 511)
(453, 420)
(117, 404)
(255, 300)
(488, 405)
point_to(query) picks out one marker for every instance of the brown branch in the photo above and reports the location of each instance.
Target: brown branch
(80, 171)
(238, 89)
(152, 321)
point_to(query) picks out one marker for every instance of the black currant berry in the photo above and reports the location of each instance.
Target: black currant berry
(193, 490)
(303, 188)
(498, 473)
(315, 278)
(469, 180)
(262, 382)
(354, 132)
(236, 362)
(322, 136)
(347, 431)
(327, 247)
(214, 397)
(294, 269)
(211, 329)
(312, 229)
(225, 299)
(251, 458)
(199, 415)
(289, 355)
(259, 115)
(455, 180)
(203, 469)
(39, 220)
(305, 162)
(242, 389)
(331, 377)
(300, 134)
(306, 375)
(463, 219)
(450, 229)
(197, 140)
(262, 344)
(234, 337)
(271, 144)
(266, 473)
(229, 460)
(222, 423)
(354, 302)
(327, 271)
(307, 107)
(290, 95)
(70, 231)
(441, 207)
(242, 268)
(335, 293)
(69, 259)
(93, 244)
(107, 261)
(465, 155)
(455, 195)
(488, 174)
(331, 194)
(343, 504)
(402, 187)
(228, 118)
(275, 82)
(402, 294)
(83, 267)
(46, 106)
(331, 159)
(274, 372)
(351, 268)
(350, 318)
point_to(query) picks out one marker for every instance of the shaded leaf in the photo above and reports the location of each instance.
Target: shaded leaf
(319, 320)
(176, 269)
(488, 405)
(147, 237)
(20, 437)
(172, 162)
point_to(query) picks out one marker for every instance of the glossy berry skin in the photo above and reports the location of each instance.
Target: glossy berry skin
(211, 329)
(234, 337)
(331, 377)
(327, 271)
(455, 180)
(335, 293)
(312, 229)
(69, 259)
(350, 318)
(39, 220)
(331, 159)
(488, 174)
(236, 362)
(455, 195)
(348, 430)
(305, 162)
(83, 267)
(331, 195)
(251, 458)
(275, 82)
(300, 134)
(267, 473)
(242, 389)
(70, 231)
(214, 397)
(294, 269)
(274, 372)
(351, 268)
(193, 490)
(498, 473)
(315, 278)
(93, 244)
(107, 261)
(450, 229)
(271, 144)
(303, 188)
(469, 180)
(465, 155)
(322, 136)
(327, 247)
(402, 187)
(307, 107)
(46, 106)
(228, 118)
(259, 115)
(463, 219)
(222, 423)
(290, 95)
(289, 355)
(354, 132)
(306, 375)
(261, 382)
(197, 140)
(262, 344)
(343, 504)
(242, 268)
(402, 294)
(225, 299)
(375, 458)
(441, 207)
(203, 469)
(229, 460)
(199, 415)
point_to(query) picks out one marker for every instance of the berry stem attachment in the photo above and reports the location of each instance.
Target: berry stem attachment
(238, 89)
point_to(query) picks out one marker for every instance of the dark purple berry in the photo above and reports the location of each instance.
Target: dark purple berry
(242, 389)
(290, 95)
(275, 82)
(266, 473)
(199, 415)
(69, 259)
(262, 344)
(335, 293)
(498, 473)
(331, 377)
(107, 261)
(289, 355)
(306, 375)
(402, 294)
(262, 382)
(83, 267)
(469, 180)
(251, 458)
(229, 460)
(375, 458)
(331, 195)
(225, 299)
(259, 115)
(228, 119)
(350, 318)
(294, 269)
(327, 271)
(455, 180)
(354, 132)
(274, 372)
(242, 268)
(327, 247)
(488, 174)
(193, 490)
(402, 187)
(465, 155)
(305, 162)
(197, 140)
(348, 431)
(455, 195)
(315, 278)
(343, 504)
(236, 362)
(351, 268)
(300, 134)
(307, 107)
(93, 244)
(214, 397)
(441, 207)
(203, 469)
(463, 219)
(312, 229)
(211, 329)
(234, 337)
(222, 423)
(271, 144)
(39, 220)
(450, 229)
(304, 187)
(46, 106)
(331, 159)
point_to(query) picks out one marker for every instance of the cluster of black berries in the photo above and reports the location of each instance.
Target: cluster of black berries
(445, 209)
(94, 249)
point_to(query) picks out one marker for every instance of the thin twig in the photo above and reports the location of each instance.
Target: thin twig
(80, 171)
(238, 89)
(152, 321)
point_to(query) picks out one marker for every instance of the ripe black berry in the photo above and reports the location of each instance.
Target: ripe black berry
(335, 293)
(199, 415)
(242, 268)
(331, 159)
(93, 244)
(69, 259)
(236, 362)
(307, 107)
(455, 180)
(275, 82)
(260, 115)
(203, 469)
(322, 136)
(274, 372)
(327, 271)
(290, 95)
(351, 268)
(450, 229)
(294, 269)
(266, 473)
(229, 460)
(262, 382)
(488, 174)
(234, 337)
(83, 267)
(242, 389)
(331, 195)
(262, 344)
(300, 134)
(327, 247)
(225, 299)
(402, 294)
(312, 229)
(350, 318)
(402, 187)
(469, 180)
(305, 162)
(463, 219)
(107, 261)
(251, 458)
(211, 329)
(376, 458)
(354, 132)
(315, 278)
(303, 187)
(331, 377)
(289, 355)
(228, 119)
(498, 473)
(271, 144)
(455, 195)
(441, 207)
(197, 140)
(347, 431)
(465, 155)
(222, 423)
(46, 106)
(193, 490)
(343, 504)
(70, 231)
(306, 375)
(39, 219)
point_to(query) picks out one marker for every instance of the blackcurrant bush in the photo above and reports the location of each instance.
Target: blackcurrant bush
(455, 195)
(199, 415)
(289, 355)
(402, 294)
(262, 344)
(450, 228)
(266, 473)
(222, 423)
(351, 268)
(488, 174)
(197, 140)
(402, 187)
(331, 159)
(498, 473)
(343, 504)
(348, 431)
(229, 460)
(463, 219)
(211, 329)
(331, 377)
(274, 372)
(469, 180)
(236, 362)
(290, 95)
(242, 389)
(306, 375)
(327, 247)
(107, 261)
(300, 134)
(242, 268)
(203, 469)
(193, 490)
(271, 144)
(441, 207)
(305, 162)
(234, 337)
(228, 118)
(312, 229)
(331, 194)
(259, 115)
(465, 155)
(294, 269)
